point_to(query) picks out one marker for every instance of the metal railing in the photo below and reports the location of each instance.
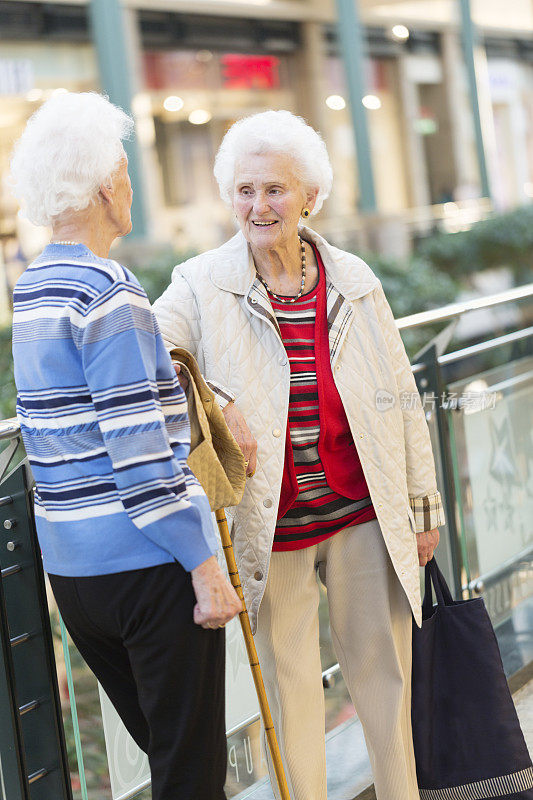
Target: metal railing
(32, 742)
(457, 309)
(523, 559)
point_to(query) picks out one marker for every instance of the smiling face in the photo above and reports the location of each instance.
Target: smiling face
(268, 199)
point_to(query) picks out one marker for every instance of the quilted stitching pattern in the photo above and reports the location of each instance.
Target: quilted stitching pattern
(214, 309)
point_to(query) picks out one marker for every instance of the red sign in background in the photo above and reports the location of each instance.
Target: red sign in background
(183, 70)
(249, 72)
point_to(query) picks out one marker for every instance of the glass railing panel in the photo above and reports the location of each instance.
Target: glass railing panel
(493, 463)
(444, 550)
(481, 325)
(81, 715)
(111, 766)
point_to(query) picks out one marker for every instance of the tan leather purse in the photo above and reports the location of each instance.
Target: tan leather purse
(215, 457)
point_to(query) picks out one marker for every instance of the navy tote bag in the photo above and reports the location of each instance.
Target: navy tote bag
(468, 742)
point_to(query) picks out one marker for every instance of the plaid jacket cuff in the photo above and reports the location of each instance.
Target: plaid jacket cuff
(428, 512)
(223, 395)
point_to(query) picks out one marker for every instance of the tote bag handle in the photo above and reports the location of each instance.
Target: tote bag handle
(433, 576)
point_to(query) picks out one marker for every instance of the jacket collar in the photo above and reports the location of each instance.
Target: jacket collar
(233, 270)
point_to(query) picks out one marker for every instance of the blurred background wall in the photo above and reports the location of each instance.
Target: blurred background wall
(439, 149)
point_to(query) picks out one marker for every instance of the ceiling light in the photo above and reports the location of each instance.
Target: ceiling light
(199, 116)
(173, 103)
(60, 90)
(400, 32)
(336, 102)
(371, 101)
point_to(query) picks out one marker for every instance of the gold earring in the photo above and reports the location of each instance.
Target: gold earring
(305, 212)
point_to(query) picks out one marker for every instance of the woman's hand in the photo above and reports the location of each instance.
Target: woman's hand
(216, 600)
(243, 436)
(184, 381)
(427, 543)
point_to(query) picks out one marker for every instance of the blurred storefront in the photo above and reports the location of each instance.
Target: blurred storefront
(199, 66)
(193, 91)
(510, 76)
(32, 68)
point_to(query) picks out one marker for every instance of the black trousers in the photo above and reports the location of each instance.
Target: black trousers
(163, 673)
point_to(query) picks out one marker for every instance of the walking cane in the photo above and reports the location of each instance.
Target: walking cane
(252, 656)
(205, 460)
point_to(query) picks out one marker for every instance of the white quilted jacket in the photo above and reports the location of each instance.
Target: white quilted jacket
(216, 308)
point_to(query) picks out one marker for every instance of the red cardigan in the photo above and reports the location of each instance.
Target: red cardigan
(336, 447)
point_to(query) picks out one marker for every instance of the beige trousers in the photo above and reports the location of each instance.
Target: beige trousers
(370, 621)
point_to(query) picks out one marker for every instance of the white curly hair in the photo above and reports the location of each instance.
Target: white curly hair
(70, 147)
(275, 132)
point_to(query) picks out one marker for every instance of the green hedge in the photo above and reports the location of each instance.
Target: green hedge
(156, 277)
(431, 278)
(503, 240)
(7, 382)
(411, 286)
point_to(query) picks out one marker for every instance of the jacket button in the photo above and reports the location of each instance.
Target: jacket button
(276, 432)
(282, 361)
(254, 300)
(380, 505)
(267, 502)
(258, 575)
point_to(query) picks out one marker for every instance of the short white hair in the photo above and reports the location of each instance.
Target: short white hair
(70, 147)
(275, 132)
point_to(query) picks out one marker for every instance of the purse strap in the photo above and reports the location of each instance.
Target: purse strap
(435, 578)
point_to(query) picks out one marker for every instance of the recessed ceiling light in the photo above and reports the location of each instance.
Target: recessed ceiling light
(371, 101)
(336, 102)
(400, 32)
(199, 116)
(173, 103)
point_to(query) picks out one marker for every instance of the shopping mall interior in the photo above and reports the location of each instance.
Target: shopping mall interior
(426, 108)
(199, 66)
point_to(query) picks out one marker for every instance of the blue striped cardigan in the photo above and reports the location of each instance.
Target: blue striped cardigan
(104, 421)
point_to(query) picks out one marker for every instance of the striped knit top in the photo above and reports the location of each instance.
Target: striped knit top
(104, 421)
(317, 512)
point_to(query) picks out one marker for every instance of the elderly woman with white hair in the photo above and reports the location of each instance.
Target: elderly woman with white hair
(299, 344)
(124, 527)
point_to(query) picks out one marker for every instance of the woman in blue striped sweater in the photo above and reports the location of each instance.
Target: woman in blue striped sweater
(125, 528)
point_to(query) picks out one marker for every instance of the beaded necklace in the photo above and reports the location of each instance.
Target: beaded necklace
(281, 298)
